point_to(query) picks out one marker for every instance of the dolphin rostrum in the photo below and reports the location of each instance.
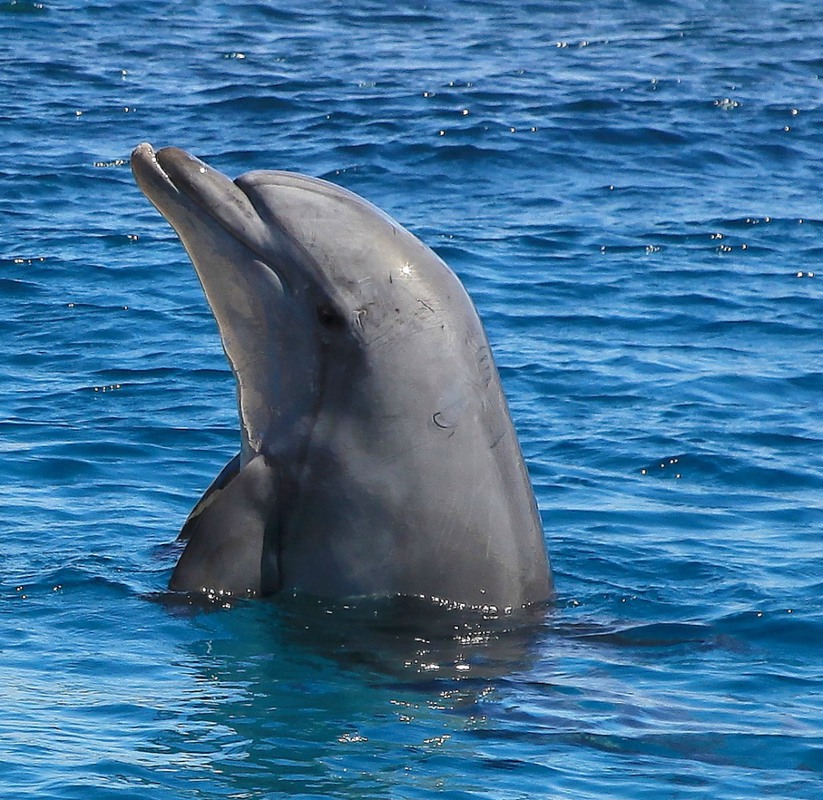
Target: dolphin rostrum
(377, 454)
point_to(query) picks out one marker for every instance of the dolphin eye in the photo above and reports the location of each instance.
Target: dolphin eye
(329, 317)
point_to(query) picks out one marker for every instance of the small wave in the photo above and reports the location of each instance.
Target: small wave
(66, 580)
(16, 287)
(656, 634)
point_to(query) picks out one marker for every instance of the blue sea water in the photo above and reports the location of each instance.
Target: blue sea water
(631, 192)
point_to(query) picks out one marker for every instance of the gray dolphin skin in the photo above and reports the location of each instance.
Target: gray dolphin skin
(377, 454)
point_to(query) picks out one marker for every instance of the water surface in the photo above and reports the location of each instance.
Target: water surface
(631, 194)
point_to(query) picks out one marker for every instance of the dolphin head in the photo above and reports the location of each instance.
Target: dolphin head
(304, 279)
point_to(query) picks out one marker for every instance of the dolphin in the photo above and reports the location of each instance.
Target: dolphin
(377, 454)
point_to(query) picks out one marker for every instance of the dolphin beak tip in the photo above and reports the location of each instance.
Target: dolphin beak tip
(142, 150)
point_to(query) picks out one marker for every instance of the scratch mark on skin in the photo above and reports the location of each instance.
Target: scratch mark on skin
(484, 366)
(392, 336)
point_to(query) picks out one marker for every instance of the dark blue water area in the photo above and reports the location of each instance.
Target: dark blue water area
(631, 193)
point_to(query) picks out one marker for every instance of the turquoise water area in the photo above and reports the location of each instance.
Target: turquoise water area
(631, 192)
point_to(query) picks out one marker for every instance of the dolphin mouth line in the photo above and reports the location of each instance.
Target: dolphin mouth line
(174, 179)
(167, 161)
(179, 184)
(146, 165)
(173, 174)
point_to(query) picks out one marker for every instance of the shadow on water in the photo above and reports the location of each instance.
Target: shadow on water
(401, 638)
(303, 697)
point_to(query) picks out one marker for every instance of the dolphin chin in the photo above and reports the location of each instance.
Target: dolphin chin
(377, 453)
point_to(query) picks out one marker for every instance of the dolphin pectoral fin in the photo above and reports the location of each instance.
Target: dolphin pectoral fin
(226, 538)
(223, 479)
